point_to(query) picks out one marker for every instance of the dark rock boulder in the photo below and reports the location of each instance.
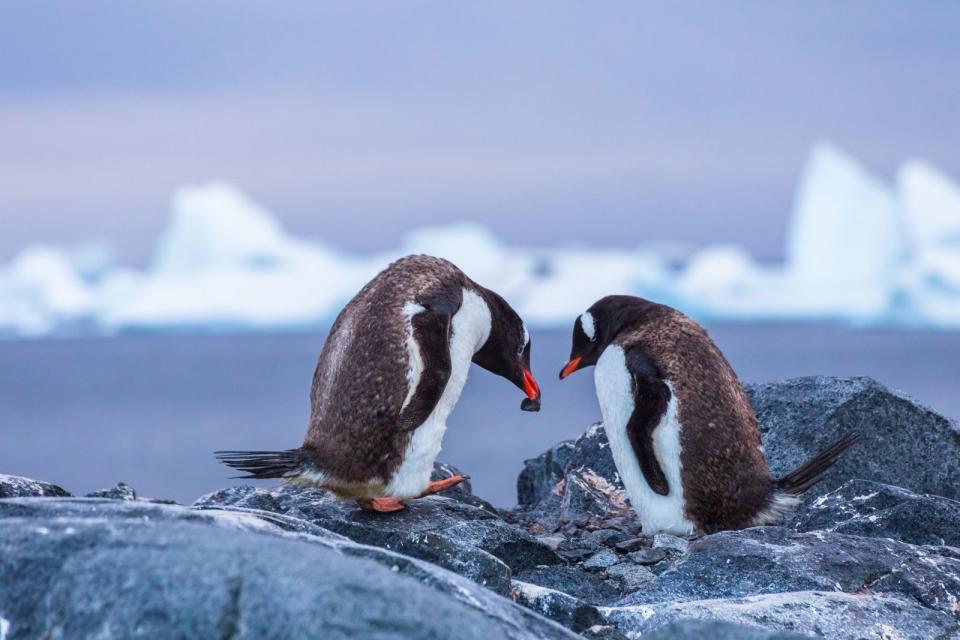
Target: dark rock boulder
(573, 483)
(875, 510)
(20, 487)
(95, 568)
(590, 587)
(556, 605)
(769, 560)
(902, 442)
(463, 535)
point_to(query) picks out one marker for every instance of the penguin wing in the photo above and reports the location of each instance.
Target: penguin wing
(431, 332)
(651, 395)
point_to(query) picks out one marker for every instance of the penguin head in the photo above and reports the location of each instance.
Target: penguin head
(507, 350)
(596, 328)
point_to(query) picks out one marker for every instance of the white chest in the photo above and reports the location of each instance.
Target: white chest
(470, 329)
(615, 393)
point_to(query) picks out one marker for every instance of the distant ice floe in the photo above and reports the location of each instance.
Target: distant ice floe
(858, 250)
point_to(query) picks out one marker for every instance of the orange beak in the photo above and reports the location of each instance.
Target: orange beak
(530, 386)
(572, 366)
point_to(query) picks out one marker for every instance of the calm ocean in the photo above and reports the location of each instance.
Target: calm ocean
(149, 410)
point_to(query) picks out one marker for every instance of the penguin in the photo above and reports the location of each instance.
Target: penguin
(390, 372)
(683, 435)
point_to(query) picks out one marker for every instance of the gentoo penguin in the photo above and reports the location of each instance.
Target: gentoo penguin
(683, 435)
(391, 370)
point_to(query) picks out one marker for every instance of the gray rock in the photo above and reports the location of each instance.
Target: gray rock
(553, 541)
(633, 544)
(670, 542)
(602, 560)
(556, 605)
(839, 616)
(715, 630)
(576, 482)
(766, 560)
(105, 568)
(603, 632)
(122, 491)
(800, 417)
(647, 556)
(865, 508)
(630, 575)
(604, 537)
(587, 586)
(20, 487)
(539, 477)
(453, 534)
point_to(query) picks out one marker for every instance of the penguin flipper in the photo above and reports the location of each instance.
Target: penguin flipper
(651, 395)
(431, 331)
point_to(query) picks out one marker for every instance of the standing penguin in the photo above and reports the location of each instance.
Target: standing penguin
(683, 435)
(391, 371)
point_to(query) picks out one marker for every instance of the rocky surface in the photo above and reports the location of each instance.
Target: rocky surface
(868, 556)
(807, 613)
(902, 442)
(876, 510)
(473, 541)
(20, 487)
(78, 568)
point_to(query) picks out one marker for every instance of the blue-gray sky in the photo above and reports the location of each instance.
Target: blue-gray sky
(612, 123)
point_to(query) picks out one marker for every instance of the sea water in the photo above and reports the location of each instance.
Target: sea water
(149, 410)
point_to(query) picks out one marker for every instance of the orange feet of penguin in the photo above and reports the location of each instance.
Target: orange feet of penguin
(442, 485)
(384, 504)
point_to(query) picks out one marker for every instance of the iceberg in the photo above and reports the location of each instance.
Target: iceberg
(930, 281)
(858, 250)
(225, 262)
(40, 290)
(846, 238)
(567, 281)
(845, 247)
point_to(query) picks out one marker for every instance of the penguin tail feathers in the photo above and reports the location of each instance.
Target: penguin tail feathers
(262, 465)
(798, 481)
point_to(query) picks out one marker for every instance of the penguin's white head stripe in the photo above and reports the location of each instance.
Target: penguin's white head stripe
(526, 337)
(586, 323)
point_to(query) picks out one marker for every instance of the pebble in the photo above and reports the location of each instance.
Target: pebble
(553, 541)
(631, 575)
(629, 546)
(670, 542)
(647, 556)
(602, 560)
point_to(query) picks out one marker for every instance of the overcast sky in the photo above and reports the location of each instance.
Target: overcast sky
(612, 123)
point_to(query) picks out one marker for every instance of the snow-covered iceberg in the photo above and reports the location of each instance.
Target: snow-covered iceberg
(858, 250)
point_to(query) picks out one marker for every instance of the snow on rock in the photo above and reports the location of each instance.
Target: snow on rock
(858, 250)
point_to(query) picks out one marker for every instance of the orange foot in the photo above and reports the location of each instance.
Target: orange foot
(442, 485)
(384, 504)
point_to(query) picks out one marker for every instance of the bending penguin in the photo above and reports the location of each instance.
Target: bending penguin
(391, 370)
(683, 435)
